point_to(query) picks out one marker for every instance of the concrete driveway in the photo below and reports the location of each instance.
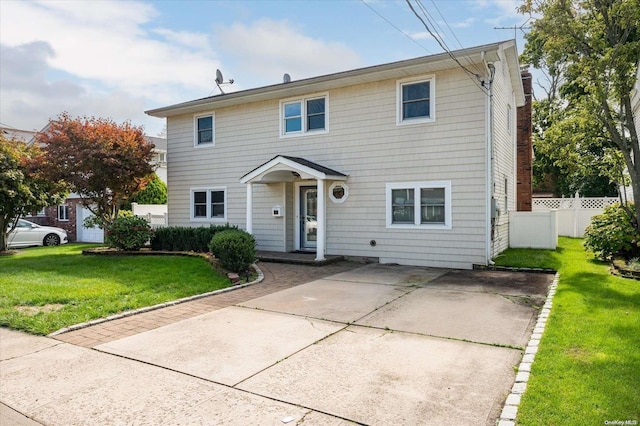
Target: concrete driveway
(375, 345)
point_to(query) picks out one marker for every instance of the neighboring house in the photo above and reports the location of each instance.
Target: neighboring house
(20, 135)
(70, 215)
(411, 162)
(160, 158)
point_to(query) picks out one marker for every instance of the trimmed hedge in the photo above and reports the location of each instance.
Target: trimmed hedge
(235, 249)
(184, 238)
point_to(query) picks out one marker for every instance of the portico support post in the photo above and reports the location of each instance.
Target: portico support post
(322, 228)
(250, 208)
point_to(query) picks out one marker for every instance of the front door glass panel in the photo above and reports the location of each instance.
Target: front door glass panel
(308, 217)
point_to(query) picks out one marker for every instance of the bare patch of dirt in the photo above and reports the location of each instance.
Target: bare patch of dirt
(34, 310)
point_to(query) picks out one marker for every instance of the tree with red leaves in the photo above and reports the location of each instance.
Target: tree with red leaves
(103, 162)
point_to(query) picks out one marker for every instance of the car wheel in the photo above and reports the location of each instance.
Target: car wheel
(51, 240)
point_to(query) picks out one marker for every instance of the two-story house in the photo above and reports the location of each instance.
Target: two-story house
(410, 162)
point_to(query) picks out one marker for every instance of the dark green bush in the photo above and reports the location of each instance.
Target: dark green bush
(128, 233)
(235, 249)
(611, 234)
(184, 238)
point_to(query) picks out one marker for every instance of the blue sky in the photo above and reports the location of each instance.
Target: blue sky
(117, 59)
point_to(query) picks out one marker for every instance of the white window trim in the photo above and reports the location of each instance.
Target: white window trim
(58, 213)
(207, 219)
(303, 100)
(432, 100)
(416, 186)
(346, 192)
(213, 130)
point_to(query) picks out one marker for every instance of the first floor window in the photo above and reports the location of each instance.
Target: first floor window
(63, 212)
(208, 203)
(432, 205)
(419, 204)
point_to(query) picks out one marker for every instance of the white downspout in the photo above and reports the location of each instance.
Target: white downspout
(490, 165)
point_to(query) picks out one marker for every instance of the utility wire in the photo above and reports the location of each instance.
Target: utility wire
(447, 24)
(474, 76)
(392, 24)
(473, 65)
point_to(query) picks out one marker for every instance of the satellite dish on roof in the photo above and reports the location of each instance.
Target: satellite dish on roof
(220, 80)
(286, 78)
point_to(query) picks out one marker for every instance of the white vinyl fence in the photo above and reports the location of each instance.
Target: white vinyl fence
(533, 229)
(573, 215)
(156, 214)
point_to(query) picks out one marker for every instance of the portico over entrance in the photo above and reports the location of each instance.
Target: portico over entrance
(310, 180)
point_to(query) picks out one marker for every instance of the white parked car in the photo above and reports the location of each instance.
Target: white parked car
(30, 234)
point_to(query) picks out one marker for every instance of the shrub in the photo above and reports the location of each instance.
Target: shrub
(128, 233)
(181, 238)
(611, 234)
(235, 249)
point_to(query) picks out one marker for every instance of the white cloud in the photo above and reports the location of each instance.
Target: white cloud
(114, 59)
(463, 24)
(110, 64)
(266, 49)
(501, 12)
(425, 35)
(30, 98)
(106, 41)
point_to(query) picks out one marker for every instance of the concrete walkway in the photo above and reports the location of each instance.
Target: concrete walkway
(372, 345)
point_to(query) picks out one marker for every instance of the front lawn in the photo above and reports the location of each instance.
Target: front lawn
(587, 370)
(47, 288)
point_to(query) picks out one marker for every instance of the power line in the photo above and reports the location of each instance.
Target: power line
(475, 76)
(447, 24)
(392, 24)
(469, 61)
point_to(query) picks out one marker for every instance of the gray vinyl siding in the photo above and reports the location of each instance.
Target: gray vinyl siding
(364, 142)
(505, 155)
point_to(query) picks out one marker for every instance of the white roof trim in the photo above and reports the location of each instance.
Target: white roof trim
(394, 70)
(281, 164)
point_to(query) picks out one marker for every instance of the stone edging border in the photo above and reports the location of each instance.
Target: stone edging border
(510, 409)
(618, 267)
(158, 306)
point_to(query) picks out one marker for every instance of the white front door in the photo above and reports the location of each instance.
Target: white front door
(308, 217)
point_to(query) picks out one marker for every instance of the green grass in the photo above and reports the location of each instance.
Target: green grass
(587, 370)
(47, 288)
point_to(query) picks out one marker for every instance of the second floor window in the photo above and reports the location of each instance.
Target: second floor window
(303, 116)
(416, 101)
(204, 130)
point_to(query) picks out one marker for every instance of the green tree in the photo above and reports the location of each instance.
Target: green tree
(592, 47)
(155, 192)
(105, 163)
(22, 188)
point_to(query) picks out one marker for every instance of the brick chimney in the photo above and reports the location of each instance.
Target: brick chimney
(524, 188)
